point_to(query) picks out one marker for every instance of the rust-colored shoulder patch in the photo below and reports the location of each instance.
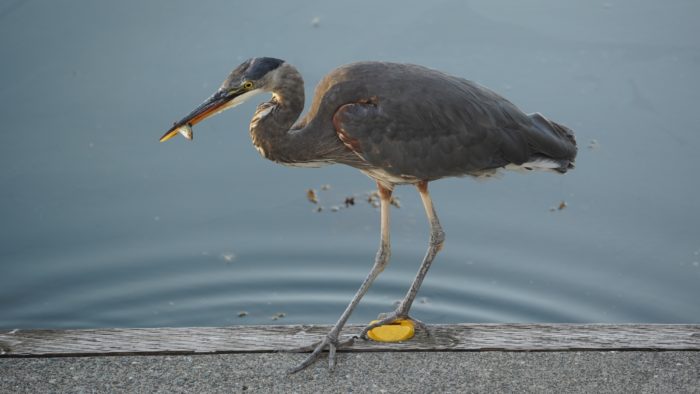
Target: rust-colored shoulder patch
(351, 143)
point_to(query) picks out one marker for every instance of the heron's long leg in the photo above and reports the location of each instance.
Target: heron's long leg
(437, 238)
(380, 262)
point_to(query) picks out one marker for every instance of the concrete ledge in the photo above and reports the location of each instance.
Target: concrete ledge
(373, 372)
(455, 358)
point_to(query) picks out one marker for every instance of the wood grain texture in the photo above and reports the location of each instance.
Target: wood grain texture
(453, 337)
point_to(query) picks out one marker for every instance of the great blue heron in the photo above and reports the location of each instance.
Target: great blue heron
(398, 124)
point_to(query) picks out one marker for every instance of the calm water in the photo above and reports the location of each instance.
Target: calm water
(102, 226)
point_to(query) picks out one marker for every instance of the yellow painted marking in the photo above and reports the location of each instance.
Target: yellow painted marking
(399, 330)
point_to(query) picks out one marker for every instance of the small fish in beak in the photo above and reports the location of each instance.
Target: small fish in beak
(186, 131)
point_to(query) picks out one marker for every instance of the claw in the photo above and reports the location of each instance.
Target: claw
(331, 356)
(383, 319)
(370, 326)
(318, 347)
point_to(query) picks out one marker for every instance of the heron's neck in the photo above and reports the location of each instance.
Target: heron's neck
(271, 124)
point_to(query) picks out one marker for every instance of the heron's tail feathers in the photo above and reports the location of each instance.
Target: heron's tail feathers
(553, 145)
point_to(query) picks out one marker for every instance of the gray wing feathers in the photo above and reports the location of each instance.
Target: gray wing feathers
(428, 125)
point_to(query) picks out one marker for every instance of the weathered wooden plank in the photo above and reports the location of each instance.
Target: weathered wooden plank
(455, 337)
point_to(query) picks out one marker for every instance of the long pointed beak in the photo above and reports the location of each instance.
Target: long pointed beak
(213, 105)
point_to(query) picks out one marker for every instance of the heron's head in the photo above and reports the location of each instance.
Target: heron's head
(256, 75)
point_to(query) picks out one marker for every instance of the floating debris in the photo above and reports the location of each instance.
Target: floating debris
(228, 257)
(278, 315)
(316, 21)
(311, 196)
(559, 207)
(242, 313)
(593, 144)
(349, 201)
(372, 197)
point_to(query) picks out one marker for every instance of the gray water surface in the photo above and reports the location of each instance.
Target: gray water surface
(102, 226)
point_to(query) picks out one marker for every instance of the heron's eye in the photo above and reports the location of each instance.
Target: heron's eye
(248, 85)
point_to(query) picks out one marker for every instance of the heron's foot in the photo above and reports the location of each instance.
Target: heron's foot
(391, 317)
(331, 342)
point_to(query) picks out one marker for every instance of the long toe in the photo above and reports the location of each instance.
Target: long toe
(311, 358)
(421, 326)
(384, 318)
(329, 341)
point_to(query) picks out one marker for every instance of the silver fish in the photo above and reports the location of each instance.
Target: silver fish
(186, 131)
